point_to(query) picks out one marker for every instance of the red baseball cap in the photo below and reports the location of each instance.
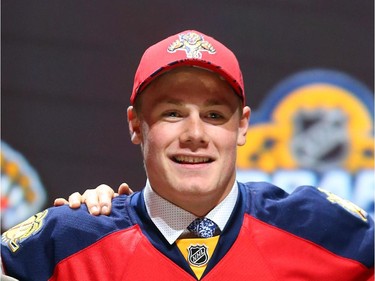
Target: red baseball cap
(186, 48)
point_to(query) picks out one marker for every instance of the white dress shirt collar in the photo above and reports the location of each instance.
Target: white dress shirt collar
(172, 221)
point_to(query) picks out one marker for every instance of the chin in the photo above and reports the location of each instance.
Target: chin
(197, 189)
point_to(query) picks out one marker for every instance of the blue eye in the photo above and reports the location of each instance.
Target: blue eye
(214, 115)
(173, 114)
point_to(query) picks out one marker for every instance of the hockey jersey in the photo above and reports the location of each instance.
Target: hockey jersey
(310, 234)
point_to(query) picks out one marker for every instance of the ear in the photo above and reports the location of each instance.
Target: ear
(134, 126)
(243, 126)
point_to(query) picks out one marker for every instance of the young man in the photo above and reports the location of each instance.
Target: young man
(193, 220)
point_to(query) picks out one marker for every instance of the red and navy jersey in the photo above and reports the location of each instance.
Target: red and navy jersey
(309, 234)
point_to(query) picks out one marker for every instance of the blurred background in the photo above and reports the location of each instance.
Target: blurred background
(68, 66)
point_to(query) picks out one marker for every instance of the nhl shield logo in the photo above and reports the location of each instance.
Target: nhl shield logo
(198, 255)
(321, 138)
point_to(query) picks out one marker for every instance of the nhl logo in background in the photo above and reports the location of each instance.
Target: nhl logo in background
(198, 255)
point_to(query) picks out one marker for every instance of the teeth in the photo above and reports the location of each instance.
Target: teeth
(192, 160)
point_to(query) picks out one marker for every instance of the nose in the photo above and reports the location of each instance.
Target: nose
(194, 133)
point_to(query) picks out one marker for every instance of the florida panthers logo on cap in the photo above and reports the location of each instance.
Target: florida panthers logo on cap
(193, 44)
(198, 255)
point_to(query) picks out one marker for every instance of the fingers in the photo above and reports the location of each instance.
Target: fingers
(98, 200)
(75, 200)
(124, 189)
(59, 202)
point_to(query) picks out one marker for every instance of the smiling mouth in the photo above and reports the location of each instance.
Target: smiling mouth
(191, 160)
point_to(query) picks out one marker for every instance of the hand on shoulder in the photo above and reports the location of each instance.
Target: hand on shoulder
(98, 200)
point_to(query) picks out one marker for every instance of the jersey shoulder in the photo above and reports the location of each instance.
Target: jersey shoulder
(265, 198)
(314, 214)
(35, 246)
(62, 225)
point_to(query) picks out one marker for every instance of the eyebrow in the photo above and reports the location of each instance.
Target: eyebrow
(211, 102)
(171, 101)
(179, 102)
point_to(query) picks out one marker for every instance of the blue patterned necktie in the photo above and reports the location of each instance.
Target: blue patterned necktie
(203, 227)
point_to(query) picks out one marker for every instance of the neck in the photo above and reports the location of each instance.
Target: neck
(198, 209)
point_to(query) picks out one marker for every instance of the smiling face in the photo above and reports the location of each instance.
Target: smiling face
(189, 124)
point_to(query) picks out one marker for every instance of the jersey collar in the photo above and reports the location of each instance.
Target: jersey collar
(172, 221)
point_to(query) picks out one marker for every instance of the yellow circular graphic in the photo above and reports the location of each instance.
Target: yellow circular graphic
(316, 126)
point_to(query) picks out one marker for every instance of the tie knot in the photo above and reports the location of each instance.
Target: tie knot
(203, 227)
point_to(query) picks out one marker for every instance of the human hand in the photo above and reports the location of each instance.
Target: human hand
(98, 200)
